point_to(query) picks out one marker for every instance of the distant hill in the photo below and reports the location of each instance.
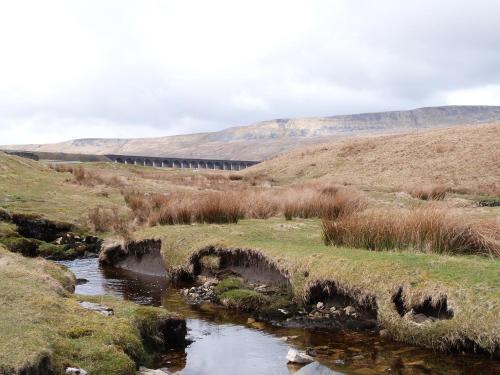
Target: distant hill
(466, 158)
(268, 138)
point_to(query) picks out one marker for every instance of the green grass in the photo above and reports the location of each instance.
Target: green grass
(40, 318)
(471, 283)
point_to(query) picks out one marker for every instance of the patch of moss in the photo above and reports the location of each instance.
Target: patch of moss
(244, 299)
(55, 252)
(18, 244)
(228, 284)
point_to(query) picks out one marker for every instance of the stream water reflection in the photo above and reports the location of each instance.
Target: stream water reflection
(225, 344)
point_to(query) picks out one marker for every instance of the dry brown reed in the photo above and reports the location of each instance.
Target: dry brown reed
(230, 205)
(184, 208)
(427, 229)
(219, 208)
(103, 220)
(328, 202)
(429, 192)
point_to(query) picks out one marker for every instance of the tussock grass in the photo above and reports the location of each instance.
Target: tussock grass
(103, 220)
(425, 229)
(429, 192)
(218, 208)
(329, 202)
(320, 200)
(183, 208)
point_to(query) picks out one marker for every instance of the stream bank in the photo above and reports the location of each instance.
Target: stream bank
(225, 340)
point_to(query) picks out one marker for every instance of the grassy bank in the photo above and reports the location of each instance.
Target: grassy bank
(42, 324)
(470, 284)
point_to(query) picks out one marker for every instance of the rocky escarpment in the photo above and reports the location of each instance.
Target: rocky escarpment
(265, 139)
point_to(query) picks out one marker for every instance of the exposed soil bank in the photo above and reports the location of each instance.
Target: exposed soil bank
(33, 235)
(252, 265)
(139, 256)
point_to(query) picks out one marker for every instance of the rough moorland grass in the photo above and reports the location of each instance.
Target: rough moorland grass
(40, 318)
(28, 186)
(470, 283)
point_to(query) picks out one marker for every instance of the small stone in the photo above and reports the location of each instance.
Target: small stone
(333, 309)
(98, 308)
(75, 371)
(336, 314)
(147, 371)
(384, 333)
(349, 310)
(288, 338)
(415, 363)
(251, 320)
(320, 305)
(295, 356)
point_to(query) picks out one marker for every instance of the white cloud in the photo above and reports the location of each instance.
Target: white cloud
(487, 95)
(150, 67)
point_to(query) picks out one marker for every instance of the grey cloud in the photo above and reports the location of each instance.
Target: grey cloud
(317, 58)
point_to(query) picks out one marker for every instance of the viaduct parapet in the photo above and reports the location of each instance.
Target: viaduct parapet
(229, 165)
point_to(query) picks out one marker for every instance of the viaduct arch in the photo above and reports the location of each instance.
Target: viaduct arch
(228, 165)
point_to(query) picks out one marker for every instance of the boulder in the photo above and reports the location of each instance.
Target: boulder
(75, 371)
(316, 368)
(147, 371)
(296, 356)
(320, 305)
(98, 308)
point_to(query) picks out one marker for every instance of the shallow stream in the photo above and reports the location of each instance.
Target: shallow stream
(224, 343)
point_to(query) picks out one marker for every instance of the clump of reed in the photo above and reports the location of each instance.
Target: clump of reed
(103, 220)
(427, 229)
(231, 205)
(430, 192)
(328, 202)
(184, 208)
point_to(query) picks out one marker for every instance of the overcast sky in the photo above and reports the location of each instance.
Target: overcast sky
(75, 69)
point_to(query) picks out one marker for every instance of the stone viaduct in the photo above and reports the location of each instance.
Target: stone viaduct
(156, 161)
